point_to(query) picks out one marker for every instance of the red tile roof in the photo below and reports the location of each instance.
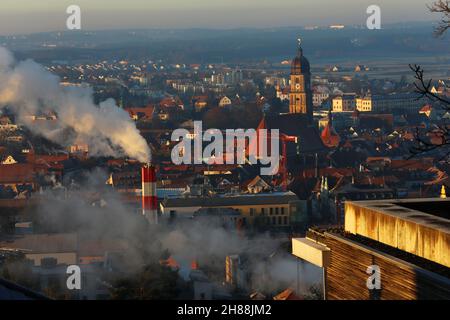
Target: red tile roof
(146, 111)
(52, 158)
(412, 164)
(17, 173)
(329, 136)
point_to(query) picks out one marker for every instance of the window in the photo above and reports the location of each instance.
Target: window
(282, 210)
(285, 220)
(274, 221)
(279, 220)
(271, 211)
(263, 211)
(276, 210)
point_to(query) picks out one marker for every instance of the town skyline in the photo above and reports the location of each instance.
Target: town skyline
(184, 151)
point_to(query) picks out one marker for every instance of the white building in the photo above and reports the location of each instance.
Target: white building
(344, 103)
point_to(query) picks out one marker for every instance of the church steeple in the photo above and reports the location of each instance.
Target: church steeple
(329, 136)
(300, 98)
(299, 46)
(443, 193)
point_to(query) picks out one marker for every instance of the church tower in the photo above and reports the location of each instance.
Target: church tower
(300, 97)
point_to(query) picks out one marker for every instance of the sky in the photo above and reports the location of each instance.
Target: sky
(28, 16)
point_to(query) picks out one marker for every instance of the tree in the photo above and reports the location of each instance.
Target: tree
(153, 282)
(443, 7)
(438, 139)
(441, 132)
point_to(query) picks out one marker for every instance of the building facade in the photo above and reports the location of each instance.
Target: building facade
(270, 210)
(345, 103)
(391, 103)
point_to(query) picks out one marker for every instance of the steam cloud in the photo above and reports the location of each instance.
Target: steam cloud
(95, 212)
(29, 89)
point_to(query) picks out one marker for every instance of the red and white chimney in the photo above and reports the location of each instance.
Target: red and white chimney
(149, 197)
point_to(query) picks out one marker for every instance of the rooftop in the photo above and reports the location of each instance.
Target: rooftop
(435, 208)
(13, 291)
(417, 226)
(16, 173)
(236, 200)
(43, 243)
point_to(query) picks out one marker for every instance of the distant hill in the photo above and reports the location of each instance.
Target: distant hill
(237, 45)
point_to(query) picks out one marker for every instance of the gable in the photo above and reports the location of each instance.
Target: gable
(9, 160)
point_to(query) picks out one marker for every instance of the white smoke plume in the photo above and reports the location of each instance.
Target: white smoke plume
(96, 213)
(29, 89)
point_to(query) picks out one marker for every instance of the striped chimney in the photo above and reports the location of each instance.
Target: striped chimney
(149, 198)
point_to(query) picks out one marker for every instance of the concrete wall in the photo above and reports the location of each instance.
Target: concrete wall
(409, 230)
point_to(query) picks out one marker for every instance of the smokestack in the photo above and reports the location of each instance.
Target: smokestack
(149, 198)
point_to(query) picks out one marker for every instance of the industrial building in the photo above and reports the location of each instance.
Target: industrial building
(406, 241)
(272, 209)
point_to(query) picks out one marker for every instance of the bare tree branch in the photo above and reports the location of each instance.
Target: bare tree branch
(423, 87)
(431, 140)
(439, 137)
(443, 7)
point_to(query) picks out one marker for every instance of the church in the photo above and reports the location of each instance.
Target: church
(308, 149)
(300, 96)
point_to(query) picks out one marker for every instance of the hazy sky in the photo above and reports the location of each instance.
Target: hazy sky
(25, 16)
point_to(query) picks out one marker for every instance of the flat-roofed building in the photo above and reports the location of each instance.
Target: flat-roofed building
(38, 248)
(406, 242)
(276, 209)
(389, 103)
(397, 103)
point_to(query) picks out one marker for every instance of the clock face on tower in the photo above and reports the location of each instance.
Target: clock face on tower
(300, 95)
